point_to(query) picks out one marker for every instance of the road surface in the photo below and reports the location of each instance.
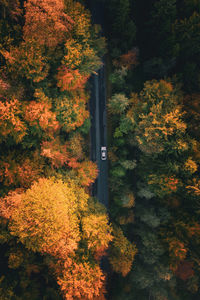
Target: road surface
(98, 131)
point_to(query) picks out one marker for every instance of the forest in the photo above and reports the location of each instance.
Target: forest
(57, 241)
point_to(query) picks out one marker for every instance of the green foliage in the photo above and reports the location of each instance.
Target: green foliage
(163, 15)
(158, 129)
(187, 37)
(118, 104)
(121, 26)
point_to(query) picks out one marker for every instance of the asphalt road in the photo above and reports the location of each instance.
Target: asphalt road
(98, 133)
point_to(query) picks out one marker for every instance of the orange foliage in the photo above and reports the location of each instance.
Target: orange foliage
(70, 80)
(45, 22)
(163, 184)
(15, 174)
(171, 183)
(27, 172)
(56, 152)
(27, 60)
(7, 175)
(185, 270)
(87, 172)
(10, 203)
(4, 85)
(193, 229)
(97, 232)
(128, 59)
(73, 163)
(39, 114)
(101, 295)
(10, 122)
(18, 170)
(194, 187)
(177, 252)
(47, 218)
(73, 57)
(80, 280)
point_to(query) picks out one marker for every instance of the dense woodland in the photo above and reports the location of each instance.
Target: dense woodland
(154, 138)
(53, 233)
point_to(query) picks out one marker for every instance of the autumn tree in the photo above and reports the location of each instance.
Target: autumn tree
(71, 110)
(158, 118)
(122, 253)
(27, 59)
(48, 50)
(45, 24)
(46, 219)
(11, 122)
(19, 170)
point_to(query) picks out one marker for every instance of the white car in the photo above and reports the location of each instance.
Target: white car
(103, 153)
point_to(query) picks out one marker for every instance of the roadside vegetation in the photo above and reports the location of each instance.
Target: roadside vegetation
(53, 234)
(154, 149)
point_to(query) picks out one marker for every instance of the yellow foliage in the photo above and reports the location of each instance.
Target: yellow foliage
(194, 187)
(157, 118)
(80, 280)
(96, 229)
(122, 253)
(46, 220)
(81, 18)
(75, 146)
(190, 165)
(73, 57)
(72, 111)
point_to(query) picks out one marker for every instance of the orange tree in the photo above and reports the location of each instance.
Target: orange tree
(48, 51)
(58, 219)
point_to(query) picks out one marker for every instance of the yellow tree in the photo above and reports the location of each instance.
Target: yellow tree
(56, 219)
(157, 119)
(122, 252)
(71, 110)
